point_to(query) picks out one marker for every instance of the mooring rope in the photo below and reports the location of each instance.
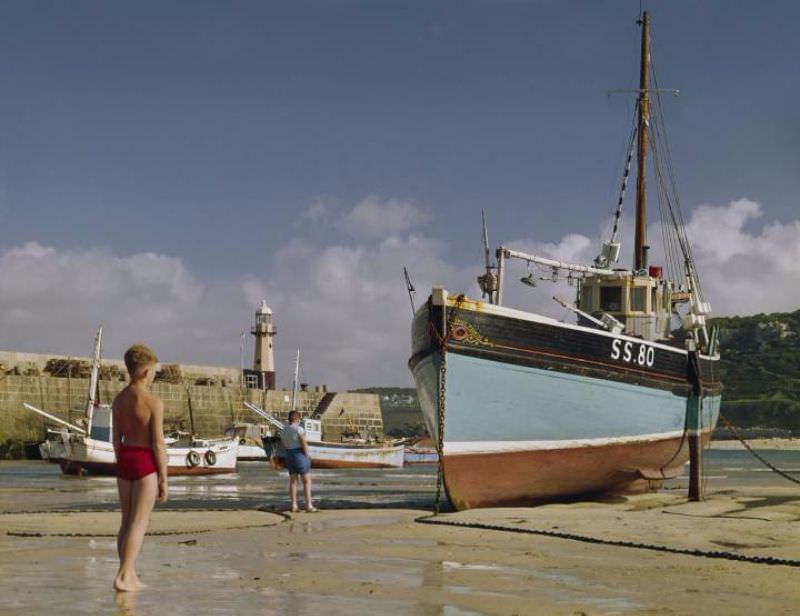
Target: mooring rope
(757, 456)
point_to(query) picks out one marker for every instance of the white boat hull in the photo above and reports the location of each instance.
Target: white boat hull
(84, 455)
(348, 455)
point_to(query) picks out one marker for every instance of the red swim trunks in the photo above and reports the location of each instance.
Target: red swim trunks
(135, 462)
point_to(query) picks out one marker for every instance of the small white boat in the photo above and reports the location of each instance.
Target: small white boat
(328, 454)
(85, 455)
(52, 448)
(90, 450)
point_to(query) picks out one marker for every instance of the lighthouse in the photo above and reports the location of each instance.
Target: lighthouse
(263, 358)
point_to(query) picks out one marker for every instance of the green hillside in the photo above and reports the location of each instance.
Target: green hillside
(760, 370)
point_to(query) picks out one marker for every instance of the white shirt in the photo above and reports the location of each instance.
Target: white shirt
(290, 436)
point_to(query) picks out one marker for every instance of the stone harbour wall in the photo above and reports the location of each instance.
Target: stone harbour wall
(214, 407)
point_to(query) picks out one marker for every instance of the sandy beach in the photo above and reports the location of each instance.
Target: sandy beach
(784, 444)
(354, 561)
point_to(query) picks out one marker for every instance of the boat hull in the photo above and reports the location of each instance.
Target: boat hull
(344, 455)
(420, 456)
(251, 453)
(87, 456)
(536, 410)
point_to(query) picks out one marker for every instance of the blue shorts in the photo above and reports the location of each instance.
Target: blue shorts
(297, 463)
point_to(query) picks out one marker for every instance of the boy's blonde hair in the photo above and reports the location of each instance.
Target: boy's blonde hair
(139, 356)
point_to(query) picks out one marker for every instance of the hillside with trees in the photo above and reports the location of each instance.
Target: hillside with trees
(760, 370)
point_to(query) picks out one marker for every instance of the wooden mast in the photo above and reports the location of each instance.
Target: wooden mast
(644, 121)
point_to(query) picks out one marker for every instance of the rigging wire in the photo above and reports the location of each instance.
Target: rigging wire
(625, 175)
(671, 250)
(675, 209)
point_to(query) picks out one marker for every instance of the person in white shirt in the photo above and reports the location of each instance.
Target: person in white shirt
(298, 462)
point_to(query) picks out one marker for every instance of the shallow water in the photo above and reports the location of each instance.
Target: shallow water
(32, 485)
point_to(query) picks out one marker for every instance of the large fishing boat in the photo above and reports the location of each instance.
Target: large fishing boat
(525, 408)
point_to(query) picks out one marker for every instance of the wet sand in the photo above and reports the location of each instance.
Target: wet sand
(354, 561)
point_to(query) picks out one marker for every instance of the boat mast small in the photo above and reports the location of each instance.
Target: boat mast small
(640, 248)
(296, 379)
(488, 282)
(92, 398)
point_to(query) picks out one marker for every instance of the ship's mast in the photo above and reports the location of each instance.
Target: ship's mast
(640, 248)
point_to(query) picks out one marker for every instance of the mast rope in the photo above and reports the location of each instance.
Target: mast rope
(625, 176)
(674, 204)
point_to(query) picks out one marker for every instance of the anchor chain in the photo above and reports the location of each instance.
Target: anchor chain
(762, 560)
(444, 342)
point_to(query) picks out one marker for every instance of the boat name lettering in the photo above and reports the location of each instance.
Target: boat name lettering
(645, 355)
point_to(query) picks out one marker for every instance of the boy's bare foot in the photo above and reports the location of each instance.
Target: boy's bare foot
(128, 583)
(295, 508)
(311, 509)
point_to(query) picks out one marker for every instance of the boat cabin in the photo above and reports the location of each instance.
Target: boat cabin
(641, 303)
(101, 423)
(313, 428)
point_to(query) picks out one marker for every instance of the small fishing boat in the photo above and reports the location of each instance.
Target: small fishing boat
(90, 450)
(347, 453)
(352, 453)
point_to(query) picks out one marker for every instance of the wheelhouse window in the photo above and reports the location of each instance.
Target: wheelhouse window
(586, 298)
(638, 299)
(611, 299)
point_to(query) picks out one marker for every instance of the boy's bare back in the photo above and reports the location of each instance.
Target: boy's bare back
(134, 412)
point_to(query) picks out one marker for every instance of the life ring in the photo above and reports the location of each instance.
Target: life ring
(192, 459)
(211, 458)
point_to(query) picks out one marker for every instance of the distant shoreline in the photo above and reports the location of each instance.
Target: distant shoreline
(792, 444)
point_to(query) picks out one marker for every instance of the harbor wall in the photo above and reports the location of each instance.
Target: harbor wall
(214, 405)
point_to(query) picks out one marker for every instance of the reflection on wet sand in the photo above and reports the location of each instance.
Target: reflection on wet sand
(377, 559)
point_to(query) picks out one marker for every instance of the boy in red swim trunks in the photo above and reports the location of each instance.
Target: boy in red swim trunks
(141, 459)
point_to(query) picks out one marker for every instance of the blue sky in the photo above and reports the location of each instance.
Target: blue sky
(236, 142)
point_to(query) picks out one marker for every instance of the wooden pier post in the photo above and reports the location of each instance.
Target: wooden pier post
(695, 450)
(694, 424)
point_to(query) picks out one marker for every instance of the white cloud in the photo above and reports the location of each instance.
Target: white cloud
(51, 301)
(374, 218)
(746, 272)
(347, 308)
(344, 304)
(315, 214)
